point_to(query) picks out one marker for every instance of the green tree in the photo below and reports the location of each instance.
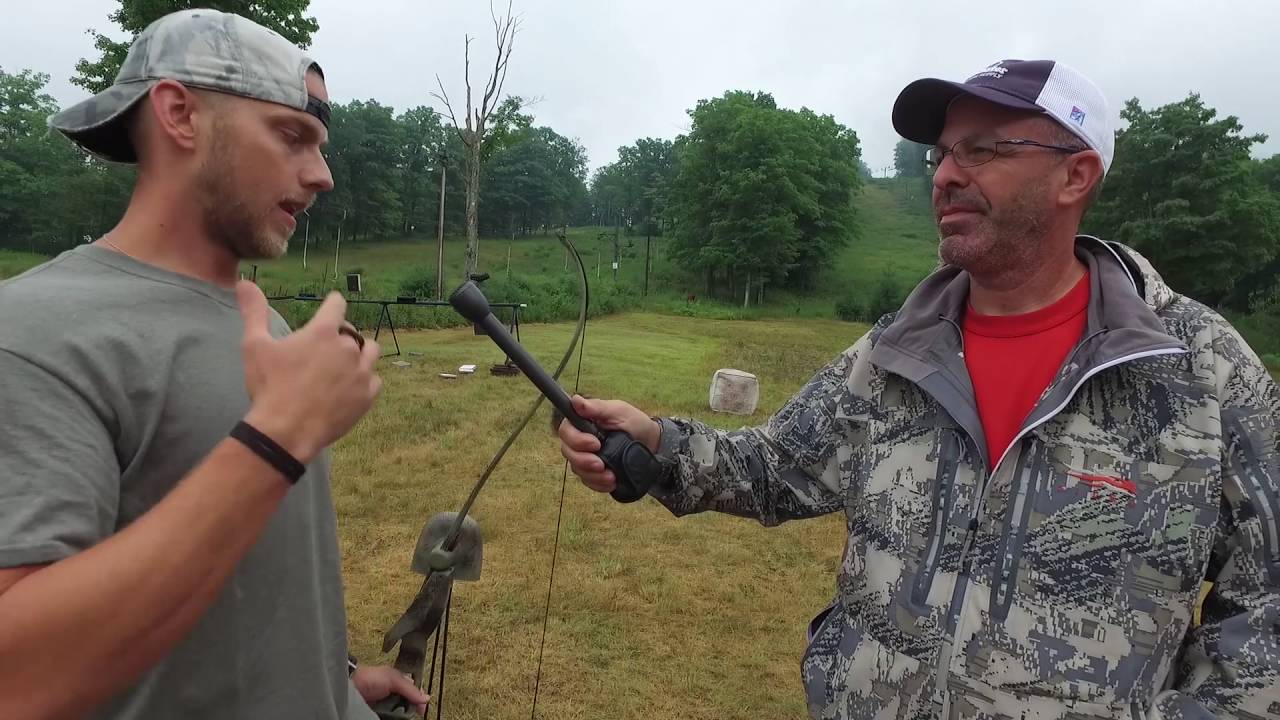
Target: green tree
(908, 159)
(533, 182)
(1184, 191)
(287, 17)
(632, 191)
(912, 183)
(23, 105)
(365, 145)
(608, 195)
(762, 194)
(51, 194)
(424, 146)
(647, 169)
(506, 126)
(1268, 173)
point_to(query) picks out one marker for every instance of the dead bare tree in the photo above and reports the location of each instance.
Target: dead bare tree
(472, 132)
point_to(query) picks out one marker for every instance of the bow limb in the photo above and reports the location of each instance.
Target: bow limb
(583, 302)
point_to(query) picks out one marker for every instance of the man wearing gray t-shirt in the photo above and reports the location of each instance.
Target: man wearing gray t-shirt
(167, 537)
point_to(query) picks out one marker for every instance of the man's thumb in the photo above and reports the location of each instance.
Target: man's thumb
(587, 409)
(253, 308)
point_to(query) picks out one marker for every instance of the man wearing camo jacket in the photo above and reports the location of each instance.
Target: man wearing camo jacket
(1041, 455)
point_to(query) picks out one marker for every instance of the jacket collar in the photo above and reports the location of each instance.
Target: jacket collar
(1118, 306)
(923, 342)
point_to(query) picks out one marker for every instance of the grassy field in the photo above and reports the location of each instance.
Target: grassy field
(652, 617)
(896, 239)
(13, 262)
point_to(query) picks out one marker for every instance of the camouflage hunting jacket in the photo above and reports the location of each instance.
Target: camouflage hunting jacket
(1059, 581)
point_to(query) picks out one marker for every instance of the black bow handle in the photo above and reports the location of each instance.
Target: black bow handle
(634, 466)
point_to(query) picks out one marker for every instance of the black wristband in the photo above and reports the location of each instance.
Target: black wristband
(267, 449)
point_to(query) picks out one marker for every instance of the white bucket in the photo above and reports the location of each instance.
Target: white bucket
(734, 391)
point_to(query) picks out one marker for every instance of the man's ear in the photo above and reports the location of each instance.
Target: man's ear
(1084, 173)
(177, 113)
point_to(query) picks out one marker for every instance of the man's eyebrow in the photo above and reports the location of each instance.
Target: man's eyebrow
(307, 126)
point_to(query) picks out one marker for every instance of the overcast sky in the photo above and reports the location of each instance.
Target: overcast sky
(611, 71)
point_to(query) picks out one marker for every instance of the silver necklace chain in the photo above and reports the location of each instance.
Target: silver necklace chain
(106, 239)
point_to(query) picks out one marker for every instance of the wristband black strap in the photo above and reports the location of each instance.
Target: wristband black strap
(267, 449)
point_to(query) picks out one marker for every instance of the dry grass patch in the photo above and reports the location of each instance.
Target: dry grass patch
(651, 616)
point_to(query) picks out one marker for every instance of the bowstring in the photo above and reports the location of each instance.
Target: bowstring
(578, 342)
(564, 478)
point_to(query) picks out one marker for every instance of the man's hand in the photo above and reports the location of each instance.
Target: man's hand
(579, 448)
(311, 387)
(376, 683)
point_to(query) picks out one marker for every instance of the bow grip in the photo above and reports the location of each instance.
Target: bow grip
(634, 467)
(394, 707)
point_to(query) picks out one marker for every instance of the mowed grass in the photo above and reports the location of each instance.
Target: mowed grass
(386, 265)
(14, 262)
(896, 238)
(651, 616)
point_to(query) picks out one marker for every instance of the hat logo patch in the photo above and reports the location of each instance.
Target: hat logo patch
(1077, 116)
(995, 70)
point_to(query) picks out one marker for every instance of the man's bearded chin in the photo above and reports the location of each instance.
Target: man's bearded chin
(998, 241)
(230, 220)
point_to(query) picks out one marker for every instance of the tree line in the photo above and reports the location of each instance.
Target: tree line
(388, 169)
(752, 197)
(386, 165)
(1186, 192)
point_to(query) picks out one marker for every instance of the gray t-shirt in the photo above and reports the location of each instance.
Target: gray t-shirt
(116, 379)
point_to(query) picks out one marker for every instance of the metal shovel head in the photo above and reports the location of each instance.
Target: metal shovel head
(464, 560)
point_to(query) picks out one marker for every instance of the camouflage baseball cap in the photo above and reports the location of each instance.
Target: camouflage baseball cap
(199, 48)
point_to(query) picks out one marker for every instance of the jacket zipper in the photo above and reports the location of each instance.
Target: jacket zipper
(944, 659)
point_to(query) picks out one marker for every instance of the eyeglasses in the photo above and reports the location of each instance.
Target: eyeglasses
(972, 152)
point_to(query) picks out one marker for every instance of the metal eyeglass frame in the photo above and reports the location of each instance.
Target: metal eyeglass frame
(931, 164)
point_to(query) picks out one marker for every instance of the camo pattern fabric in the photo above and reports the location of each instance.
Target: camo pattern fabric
(200, 48)
(1063, 585)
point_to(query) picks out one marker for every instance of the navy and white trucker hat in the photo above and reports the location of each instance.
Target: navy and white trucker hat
(1043, 86)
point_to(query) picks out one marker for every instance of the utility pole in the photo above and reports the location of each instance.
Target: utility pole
(617, 237)
(306, 239)
(338, 247)
(440, 234)
(647, 240)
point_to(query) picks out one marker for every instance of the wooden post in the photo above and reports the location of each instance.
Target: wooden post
(306, 238)
(338, 247)
(647, 240)
(440, 236)
(617, 238)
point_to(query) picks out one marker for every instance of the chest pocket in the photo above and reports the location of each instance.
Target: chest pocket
(914, 491)
(1124, 500)
(1102, 557)
(1146, 527)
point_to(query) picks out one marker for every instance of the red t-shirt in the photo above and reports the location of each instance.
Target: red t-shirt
(1013, 358)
